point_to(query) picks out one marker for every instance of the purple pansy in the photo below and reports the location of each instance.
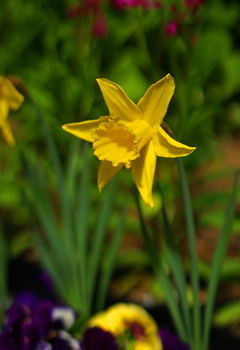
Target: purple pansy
(38, 325)
(97, 338)
(170, 340)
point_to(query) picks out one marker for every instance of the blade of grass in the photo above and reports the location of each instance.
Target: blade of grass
(99, 236)
(161, 274)
(72, 172)
(83, 207)
(109, 263)
(52, 265)
(218, 259)
(38, 195)
(175, 264)
(51, 242)
(64, 201)
(194, 273)
(55, 162)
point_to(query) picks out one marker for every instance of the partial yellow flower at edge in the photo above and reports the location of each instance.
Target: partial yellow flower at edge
(121, 317)
(131, 135)
(10, 99)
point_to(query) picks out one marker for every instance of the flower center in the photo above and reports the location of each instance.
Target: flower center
(120, 143)
(137, 331)
(115, 143)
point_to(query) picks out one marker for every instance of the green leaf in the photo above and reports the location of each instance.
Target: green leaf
(100, 235)
(217, 262)
(194, 273)
(175, 264)
(82, 213)
(207, 54)
(227, 315)
(161, 274)
(109, 262)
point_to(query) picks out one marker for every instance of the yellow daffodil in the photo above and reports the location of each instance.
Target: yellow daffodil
(129, 321)
(131, 135)
(10, 99)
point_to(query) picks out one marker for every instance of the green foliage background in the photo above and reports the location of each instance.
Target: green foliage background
(58, 60)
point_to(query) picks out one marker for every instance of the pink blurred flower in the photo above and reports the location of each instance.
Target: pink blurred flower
(99, 28)
(120, 4)
(171, 28)
(73, 11)
(194, 4)
(174, 9)
(93, 9)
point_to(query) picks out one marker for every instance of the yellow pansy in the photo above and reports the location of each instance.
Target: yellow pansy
(134, 320)
(131, 135)
(10, 99)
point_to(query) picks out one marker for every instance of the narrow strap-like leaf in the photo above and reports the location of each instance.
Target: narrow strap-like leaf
(82, 218)
(41, 204)
(218, 259)
(72, 171)
(109, 262)
(54, 263)
(69, 244)
(100, 233)
(161, 274)
(194, 273)
(175, 264)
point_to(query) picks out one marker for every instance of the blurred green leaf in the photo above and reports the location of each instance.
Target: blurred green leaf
(228, 314)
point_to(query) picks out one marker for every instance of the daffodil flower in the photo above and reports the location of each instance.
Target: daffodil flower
(10, 99)
(131, 135)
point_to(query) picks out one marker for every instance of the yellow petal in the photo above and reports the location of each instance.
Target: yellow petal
(84, 130)
(10, 93)
(106, 172)
(118, 103)
(4, 110)
(167, 147)
(4, 124)
(154, 103)
(7, 134)
(143, 169)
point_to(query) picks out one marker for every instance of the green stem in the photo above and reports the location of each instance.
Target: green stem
(175, 263)
(194, 273)
(142, 36)
(99, 237)
(218, 259)
(82, 222)
(109, 263)
(161, 274)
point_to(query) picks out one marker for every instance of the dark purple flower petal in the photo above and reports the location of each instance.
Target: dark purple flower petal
(170, 341)
(97, 338)
(32, 335)
(33, 325)
(42, 345)
(18, 314)
(47, 284)
(28, 299)
(42, 317)
(12, 337)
